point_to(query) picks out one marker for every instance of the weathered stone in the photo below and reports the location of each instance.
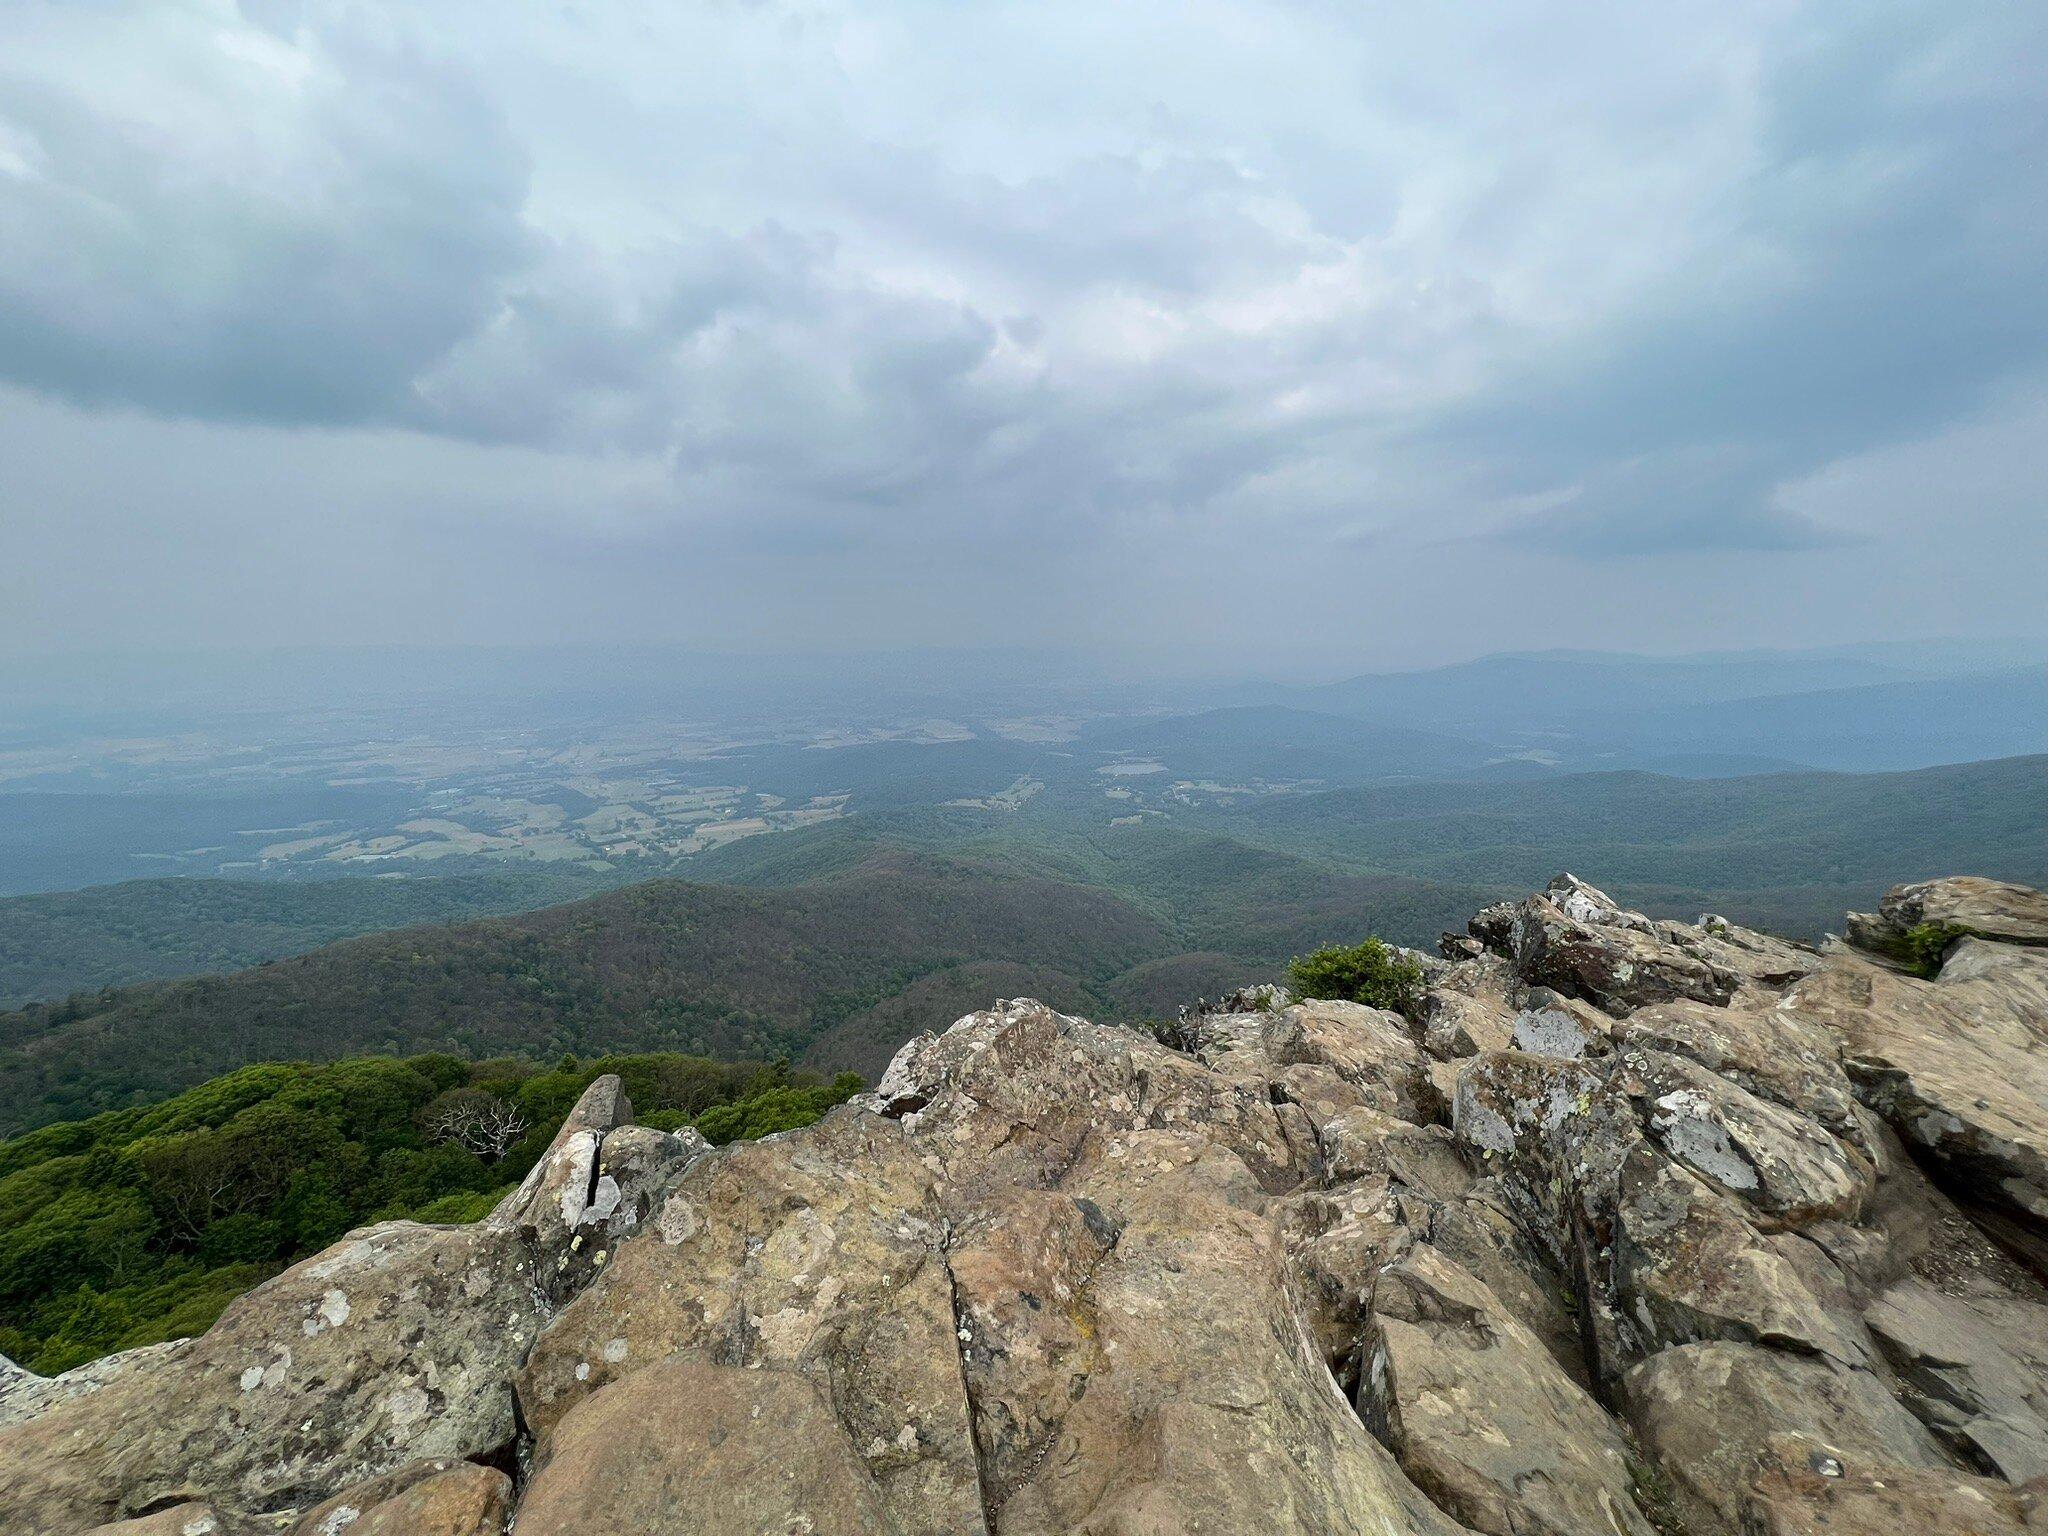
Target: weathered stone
(551, 1203)
(397, 1343)
(1576, 940)
(1470, 1008)
(1760, 1046)
(1330, 1056)
(1689, 1267)
(1808, 1486)
(1785, 1168)
(423, 1498)
(1959, 906)
(716, 1450)
(1958, 1065)
(1338, 1241)
(24, 1394)
(1023, 1273)
(1479, 1231)
(188, 1519)
(819, 1255)
(1707, 1411)
(1493, 928)
(1976, 1369)
(1208, 1407)
(1053, 1277)
(1011, 1096)
(1552, 1025)
(1480, 1415)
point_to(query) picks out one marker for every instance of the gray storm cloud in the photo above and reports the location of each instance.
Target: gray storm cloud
(998, 293)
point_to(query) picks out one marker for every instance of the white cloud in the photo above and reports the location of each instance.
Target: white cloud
(919, 279)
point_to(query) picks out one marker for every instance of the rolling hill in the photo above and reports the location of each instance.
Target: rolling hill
(843, 966)
(1787, 852)
(61, 942)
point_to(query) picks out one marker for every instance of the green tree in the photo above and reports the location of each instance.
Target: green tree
(1370, 972)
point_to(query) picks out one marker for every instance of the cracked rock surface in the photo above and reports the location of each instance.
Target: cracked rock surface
(1636, 1228)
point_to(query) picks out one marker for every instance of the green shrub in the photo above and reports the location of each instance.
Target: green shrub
(1368, 972)
(1920, 949)
(458, 1210)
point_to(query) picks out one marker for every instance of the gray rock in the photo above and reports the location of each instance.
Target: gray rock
(1707, 1412)
(396, 1344)
(1961, 905)
(1976, 1369)
(1958, 1066)
(422, 1498)
(1052, 1277)
(717, 1450)
(1480, 1415)
(1808, 1486)
(24, 1394)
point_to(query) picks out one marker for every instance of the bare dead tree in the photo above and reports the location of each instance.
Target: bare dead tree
(476, 1121)
(196, 1180)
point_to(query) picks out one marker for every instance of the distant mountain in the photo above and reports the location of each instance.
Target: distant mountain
(1876, 708)
(1891, 725)
(1277, 744)
(1785, 851)
(1546, 690)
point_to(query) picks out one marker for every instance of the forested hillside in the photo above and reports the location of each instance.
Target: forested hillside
(836, 942)
(864, 945)
(1786, 852)
(61, 942)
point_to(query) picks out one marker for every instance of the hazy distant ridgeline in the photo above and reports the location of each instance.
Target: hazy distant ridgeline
(575, 766)
(1776, 849)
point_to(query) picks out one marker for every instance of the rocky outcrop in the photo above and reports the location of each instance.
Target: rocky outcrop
(1946, 910)
(398, 1344)
(1634, 1228)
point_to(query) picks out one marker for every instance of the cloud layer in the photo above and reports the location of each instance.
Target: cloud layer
(766, 295)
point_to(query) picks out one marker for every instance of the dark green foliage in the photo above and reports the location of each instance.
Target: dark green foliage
(776, 1109)
(141, 1224)
(1368, 972)
(1922, 949)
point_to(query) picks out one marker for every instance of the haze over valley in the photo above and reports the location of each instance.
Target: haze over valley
(1247, 767)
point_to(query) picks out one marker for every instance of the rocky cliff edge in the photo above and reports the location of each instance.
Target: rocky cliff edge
(1636, 1227)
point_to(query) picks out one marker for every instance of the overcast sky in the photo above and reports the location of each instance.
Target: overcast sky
(1315, 335)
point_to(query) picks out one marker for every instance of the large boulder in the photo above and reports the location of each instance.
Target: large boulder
(1958, 1065)
(1482, 1417)
(818, 1255)
(1975, 1369)
(1804, 1486)
(399, 1343)
(422, 1498)
(719, 1450)
(1708, 1412)
(1938, 912)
